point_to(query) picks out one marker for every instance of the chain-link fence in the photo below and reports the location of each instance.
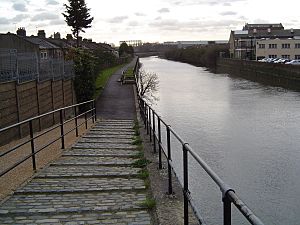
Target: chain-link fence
(24, 67)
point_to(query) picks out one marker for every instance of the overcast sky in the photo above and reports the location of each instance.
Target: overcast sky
(151, 20)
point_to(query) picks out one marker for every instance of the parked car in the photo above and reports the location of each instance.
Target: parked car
(282, 61)
(262, 60)
(294, 62)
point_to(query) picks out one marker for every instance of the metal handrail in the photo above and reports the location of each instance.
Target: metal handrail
(228, 194)
(91, 110)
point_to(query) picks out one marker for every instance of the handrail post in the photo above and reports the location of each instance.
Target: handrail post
(170, 189)
(226, 210)
(92, 112)
(147, 118)
(32, 145)
(85, 118)
(150, 128)
(185, 186)
(154, 138)
(76, 121)
(95, 110)
(62, 135)
(159, 144)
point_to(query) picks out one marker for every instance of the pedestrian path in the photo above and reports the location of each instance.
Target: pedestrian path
(94, 182)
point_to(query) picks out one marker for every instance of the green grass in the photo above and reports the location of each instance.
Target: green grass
(137, 141)
(103, 77)
(141, 163)
(149, 203)
(143, 174)
(129, 72)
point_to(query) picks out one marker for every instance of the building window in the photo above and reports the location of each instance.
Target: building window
(297, 45)
(44, 55)
(261, 46)
(272, 45)
(286, 46)
(297, 56)
(285, 56)
(273, 56)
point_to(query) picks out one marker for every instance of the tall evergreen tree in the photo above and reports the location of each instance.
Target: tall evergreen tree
(77, 16)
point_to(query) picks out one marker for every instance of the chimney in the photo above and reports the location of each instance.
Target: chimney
(21, 32)
(69, 37)
(56, 35)
(41, 34)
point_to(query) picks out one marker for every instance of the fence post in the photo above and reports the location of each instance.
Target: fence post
(185, 185)
(32, 145)
(76, 121)
(159, 144)
(154, 138)
(145, 117)
(62, 129)
(226, 210)
(170, 189)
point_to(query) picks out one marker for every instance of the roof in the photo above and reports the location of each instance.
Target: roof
(290, 33)
(63, 43)
(277, 26)
(43, 43)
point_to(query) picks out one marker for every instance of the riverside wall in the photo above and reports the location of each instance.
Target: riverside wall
(287, 76)
(19, 102)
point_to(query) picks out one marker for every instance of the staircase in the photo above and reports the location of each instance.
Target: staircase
(94, 182)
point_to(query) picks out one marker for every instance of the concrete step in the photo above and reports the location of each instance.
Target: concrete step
(109, 136)
(139, 217)
(70, 185)
(106, 140)
(72, 202)
(97, 160)
(100, 152)
(87, 171)
(104, 145)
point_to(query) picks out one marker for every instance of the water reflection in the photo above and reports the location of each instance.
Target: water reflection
(248, 133)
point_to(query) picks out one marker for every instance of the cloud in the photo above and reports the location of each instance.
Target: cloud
(228, 13)
(45, 16)
(158, 18)
(19, 7)
(163, 10)
(133, 23)
(118, 19)
(19, 18)
(4, 21)
(52, 2)
(203, 2)
(57, 22)
(195, 26)
(139, 14)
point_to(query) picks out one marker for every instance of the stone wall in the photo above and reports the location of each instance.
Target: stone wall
(19, 102)
(287, 76)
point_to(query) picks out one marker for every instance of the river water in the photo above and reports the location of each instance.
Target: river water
(247, 132)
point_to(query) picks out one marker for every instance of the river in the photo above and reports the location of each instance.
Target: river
(247, 132)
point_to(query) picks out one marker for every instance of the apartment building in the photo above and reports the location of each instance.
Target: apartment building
(278, 48)
(244, 43)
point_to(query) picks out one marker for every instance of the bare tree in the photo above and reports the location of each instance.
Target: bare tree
(147, 83)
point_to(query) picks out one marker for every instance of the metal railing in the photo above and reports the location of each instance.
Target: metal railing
(88, 113)
(153, 124)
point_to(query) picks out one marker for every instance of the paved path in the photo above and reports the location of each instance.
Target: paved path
(117, 100)
(92, 183)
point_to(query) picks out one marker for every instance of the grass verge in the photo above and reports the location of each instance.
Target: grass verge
(103, 77)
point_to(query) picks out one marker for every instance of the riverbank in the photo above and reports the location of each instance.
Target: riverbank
(286, 76)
